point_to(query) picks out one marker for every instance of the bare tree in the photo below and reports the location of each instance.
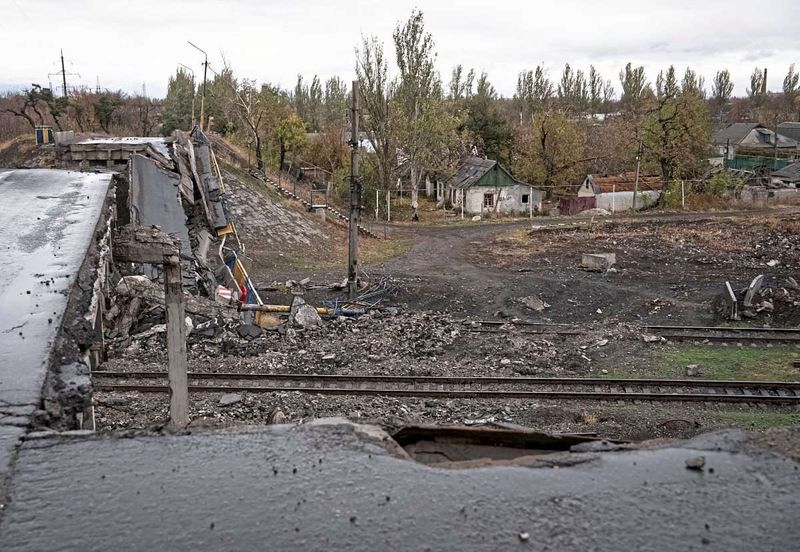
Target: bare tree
(376, 91)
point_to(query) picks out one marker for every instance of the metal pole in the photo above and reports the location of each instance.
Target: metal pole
(636, 182)
(205, 75)
(355, 200)
(203, 100)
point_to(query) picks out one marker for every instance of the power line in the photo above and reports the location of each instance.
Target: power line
(63, 74)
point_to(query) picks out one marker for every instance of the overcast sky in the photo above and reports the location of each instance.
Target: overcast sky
(125, 43)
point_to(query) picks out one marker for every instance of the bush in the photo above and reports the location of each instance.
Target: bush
(671, 197)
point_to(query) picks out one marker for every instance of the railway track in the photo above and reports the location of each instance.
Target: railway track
(716, 333)
(596, 389)
(672, 333)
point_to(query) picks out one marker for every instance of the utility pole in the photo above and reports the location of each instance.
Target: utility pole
(355, 200)
(63, 74)
(636, 182)
(205, 75)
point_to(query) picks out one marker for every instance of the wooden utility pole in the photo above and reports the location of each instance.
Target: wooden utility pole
(355, 200)
(636, 182)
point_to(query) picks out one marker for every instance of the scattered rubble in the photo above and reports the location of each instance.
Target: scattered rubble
(229, 399)
(534, 303)
(696, 463)
(598, 261)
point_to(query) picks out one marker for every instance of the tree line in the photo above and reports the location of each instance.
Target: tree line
(550, 133)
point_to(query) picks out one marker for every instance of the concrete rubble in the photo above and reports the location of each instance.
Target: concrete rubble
(598, 261)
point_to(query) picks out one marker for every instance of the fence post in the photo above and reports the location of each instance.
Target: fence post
(683, 195)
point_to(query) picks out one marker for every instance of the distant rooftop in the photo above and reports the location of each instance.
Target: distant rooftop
(790, 129)
(625, 182)
(742, 135)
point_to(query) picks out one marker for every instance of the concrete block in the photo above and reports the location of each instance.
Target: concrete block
(65, 138)
(752, 290)
(598, 261)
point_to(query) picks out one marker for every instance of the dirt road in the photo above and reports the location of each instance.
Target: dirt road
(670, 266)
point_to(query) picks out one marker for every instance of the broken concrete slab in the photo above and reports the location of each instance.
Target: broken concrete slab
(200, 160)
(598, 261)
(732, 302)
(155, 200)
(752, 291)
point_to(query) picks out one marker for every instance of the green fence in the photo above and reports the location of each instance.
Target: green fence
(752, 163)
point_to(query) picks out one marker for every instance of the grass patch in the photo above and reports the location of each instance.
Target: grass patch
(716, 362)
(377, 250)
(758, 420)
(370, 251)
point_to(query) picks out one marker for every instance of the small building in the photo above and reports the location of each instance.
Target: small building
(614, 192)
(752, 146)
(788, 176)
(485, 186)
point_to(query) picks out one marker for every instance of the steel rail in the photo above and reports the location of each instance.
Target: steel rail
(480, 380)
(725, 329)
(784, 392)
(432, 393)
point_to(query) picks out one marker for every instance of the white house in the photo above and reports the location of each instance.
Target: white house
(484, 186)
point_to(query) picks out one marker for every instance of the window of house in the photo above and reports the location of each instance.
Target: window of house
(488, 200)
(526, 198)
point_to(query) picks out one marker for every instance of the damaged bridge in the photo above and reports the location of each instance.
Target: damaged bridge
(55, 230)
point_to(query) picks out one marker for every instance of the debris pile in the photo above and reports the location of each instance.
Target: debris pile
(774, 302)
(770, 300)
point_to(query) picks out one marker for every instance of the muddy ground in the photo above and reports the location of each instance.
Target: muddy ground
(669, 270)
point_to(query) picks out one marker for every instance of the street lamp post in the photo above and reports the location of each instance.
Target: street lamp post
(205, 74)
(193, 92)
